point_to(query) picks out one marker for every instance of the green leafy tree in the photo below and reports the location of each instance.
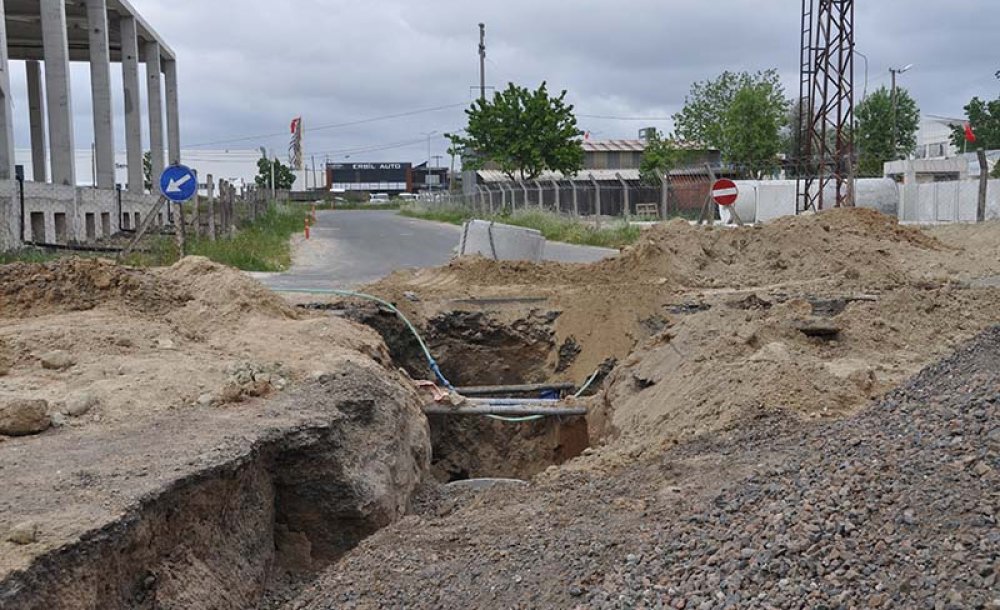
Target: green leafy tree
(874, 132)
(752, 126)
(707, 106)
(284, 178)
(524, 132)
(985, 120)
(662, 154)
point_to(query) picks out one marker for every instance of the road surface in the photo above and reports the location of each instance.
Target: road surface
(351, 248)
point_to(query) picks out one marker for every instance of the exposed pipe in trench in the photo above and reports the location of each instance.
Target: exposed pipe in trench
(497, 402)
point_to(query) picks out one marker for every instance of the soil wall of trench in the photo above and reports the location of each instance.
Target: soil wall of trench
(290, 499)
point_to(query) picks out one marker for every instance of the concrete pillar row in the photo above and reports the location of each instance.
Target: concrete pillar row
(173, 112)
(100, 84)
(57, 85)
(6, 105)
(154, 81)
(36, 117)
(133, 110)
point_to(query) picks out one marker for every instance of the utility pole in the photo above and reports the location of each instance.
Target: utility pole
(895, 132)
(482, 62)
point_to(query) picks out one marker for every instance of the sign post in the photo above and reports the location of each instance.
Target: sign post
(724, 193)
(179, 184)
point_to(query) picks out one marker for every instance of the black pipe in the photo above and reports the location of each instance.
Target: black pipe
(71, 248)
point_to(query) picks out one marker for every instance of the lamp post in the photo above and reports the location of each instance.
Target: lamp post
(895, 129)
(428, 166)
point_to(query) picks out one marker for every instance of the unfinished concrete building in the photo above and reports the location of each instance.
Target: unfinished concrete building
(48, 35)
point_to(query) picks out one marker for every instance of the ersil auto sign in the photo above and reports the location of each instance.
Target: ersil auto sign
(367, 166)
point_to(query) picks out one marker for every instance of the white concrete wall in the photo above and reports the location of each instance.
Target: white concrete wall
(761, 201)
(948, 202)
(9, 207)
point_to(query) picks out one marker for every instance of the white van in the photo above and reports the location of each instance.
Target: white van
(408, 197)
(378, 198)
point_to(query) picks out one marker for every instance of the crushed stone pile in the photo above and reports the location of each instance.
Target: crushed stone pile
(896, 507)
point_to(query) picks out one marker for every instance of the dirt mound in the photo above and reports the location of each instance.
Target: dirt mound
(736, 359)
(29, 290)
(222, 295)
(854, 245)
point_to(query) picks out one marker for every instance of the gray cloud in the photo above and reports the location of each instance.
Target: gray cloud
(248, 67)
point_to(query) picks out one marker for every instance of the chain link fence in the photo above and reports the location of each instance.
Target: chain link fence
(625, 200)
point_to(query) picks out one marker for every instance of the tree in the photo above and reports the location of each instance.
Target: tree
(751, 129)
(706, 106)
(524, 132)
(662, 155)
(875, 133)
(984, 117)
(284, 178)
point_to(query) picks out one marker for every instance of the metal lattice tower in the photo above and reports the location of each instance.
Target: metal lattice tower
(826, 111)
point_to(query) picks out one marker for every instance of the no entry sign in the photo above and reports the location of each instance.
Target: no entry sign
(724, 192)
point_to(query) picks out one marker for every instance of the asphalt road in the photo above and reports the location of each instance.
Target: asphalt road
(352, 248)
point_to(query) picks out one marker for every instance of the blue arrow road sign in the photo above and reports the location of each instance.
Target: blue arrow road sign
(178, 183)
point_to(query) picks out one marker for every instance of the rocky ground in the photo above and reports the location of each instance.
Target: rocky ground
(895, 507)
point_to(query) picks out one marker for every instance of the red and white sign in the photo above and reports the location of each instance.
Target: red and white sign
(724, 192)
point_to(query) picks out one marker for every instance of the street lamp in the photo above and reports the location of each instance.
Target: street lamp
(428, 167)
(895, 128)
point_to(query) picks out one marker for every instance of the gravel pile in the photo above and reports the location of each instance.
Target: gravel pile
(894, 508)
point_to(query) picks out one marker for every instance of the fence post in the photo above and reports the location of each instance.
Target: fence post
(664, 194)
(196, 212)
(541, 195)
(555, 185)
(626, 199)
(524, 188)
(489, 192)
(597, 199)
(576, 198)
(211, 206)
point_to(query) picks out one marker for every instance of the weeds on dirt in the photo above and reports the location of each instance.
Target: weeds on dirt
(553, 226)
(263, 245)
(28, 255)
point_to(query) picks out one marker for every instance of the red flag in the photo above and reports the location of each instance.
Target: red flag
(970, 135)
(295, 124)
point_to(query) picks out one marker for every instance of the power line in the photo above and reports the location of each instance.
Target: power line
(624, 118)
(386, 117)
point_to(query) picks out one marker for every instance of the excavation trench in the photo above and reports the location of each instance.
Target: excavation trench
(475, 348)
(234, 506)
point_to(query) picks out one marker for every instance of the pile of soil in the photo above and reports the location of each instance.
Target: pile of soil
(136, 342)
(28, 289)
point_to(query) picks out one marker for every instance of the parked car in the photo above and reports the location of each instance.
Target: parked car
(408, 197)
(379, 199)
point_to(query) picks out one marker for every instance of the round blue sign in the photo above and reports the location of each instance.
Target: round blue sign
(178, 183)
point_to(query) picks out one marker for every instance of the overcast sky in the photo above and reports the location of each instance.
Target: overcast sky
(248, 67)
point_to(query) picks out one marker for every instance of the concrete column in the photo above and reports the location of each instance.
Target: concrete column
(173, 113)
(6, 106)
(36, 116)
(133, 112)
(154, 81)
(57, 87)
(100, 86)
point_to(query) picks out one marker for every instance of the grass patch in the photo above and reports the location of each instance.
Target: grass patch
(456, 216)
(553, 226)
(263, 245)
(29, 255)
